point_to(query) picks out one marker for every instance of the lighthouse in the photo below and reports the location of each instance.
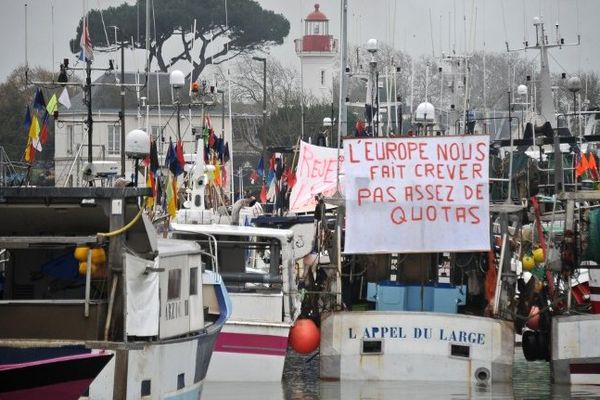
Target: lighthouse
(317, 51)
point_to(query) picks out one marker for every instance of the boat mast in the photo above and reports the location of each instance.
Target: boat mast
(342, 123)
(546, 110)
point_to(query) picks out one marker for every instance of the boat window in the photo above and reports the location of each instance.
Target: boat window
(457, 350)
(146, 385)
(180, 381)
(372, 347)
(193, 281)
(174, 286)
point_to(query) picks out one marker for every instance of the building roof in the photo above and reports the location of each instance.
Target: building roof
(316, 15)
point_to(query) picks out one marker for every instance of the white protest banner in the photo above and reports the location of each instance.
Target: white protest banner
(316, 173)
(410, 195)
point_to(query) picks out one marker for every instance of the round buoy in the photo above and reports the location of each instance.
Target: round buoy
(304, 336)
(82, 268)
(538, 255)
(534, 318)
(98, 255)
(528, 262)
(81, 253)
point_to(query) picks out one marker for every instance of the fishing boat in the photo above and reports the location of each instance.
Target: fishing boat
(258, 268)
(55, 378)
(87, 282)
(413, 233)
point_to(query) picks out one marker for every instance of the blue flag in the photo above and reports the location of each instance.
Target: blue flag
(27, 122)
(260, 169)
(171, 160)
(39, 103)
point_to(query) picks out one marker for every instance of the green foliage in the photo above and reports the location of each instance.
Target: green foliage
(250, 28)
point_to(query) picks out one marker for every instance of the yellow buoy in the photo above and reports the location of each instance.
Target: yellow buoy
(82, 268)
(528, 262)
(81, 253)
(98, 255)
(538, 255)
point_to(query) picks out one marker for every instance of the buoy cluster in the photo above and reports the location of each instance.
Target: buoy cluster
(98, 261)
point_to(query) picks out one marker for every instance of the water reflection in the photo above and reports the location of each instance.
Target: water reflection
(531, 381)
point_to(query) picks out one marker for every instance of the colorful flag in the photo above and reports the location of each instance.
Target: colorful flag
(38, 102)
(179, 154)
(154, 165)
(171, 160)
(272, 193)
(592, 165)
(150, 184)
(44, 128)
(29, 152)
(87, 50)
(263, 194)
(171, 197)
(254, 177)
(27, 123)
(64, 98)
(52, 105)
(260, 169)
(582, 166)
(34, 128)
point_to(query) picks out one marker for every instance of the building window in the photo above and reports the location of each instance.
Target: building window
(316, 29)
(174, 285)
(69, 139)
(322, 77)
(114, 140)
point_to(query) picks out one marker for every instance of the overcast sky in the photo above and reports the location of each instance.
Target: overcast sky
(404, 23)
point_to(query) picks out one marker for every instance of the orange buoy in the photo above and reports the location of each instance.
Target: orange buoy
(81, 253)
(98, 255)
(305, 336)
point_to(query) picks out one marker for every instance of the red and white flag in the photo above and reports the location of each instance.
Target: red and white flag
(87, 50)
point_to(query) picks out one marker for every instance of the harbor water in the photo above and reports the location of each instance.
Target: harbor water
(531, 380)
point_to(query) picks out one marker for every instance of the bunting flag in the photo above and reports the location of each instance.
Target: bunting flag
(179, 154)
(52, 105)
(87, 50)
(171, 196)
(44, 128)
(263, 194)
(64, 98)
(38, 102)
